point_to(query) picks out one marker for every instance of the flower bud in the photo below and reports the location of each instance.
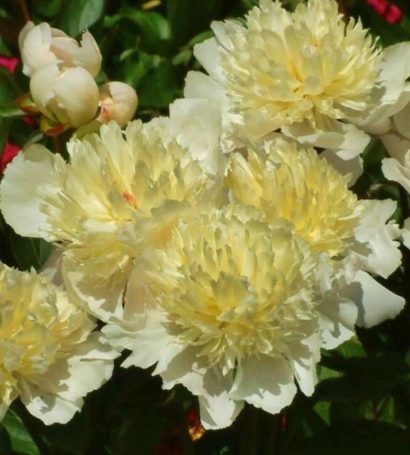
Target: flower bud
(68, 97)
(118, 102)
(42, 45)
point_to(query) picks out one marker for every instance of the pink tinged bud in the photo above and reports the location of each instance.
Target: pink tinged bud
(8, 153)
(9, 63)
(69, 97)
(394, 14)
(42, 45)
(118, 102)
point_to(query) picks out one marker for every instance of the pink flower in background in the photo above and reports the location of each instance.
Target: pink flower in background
(394, 14)
(379, 6)
(10, 63)
(390, 12)
(9, 152)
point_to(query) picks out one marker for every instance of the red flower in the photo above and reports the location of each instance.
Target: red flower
(394, 14)
(379, 6)
(9, 152)
(10, 63)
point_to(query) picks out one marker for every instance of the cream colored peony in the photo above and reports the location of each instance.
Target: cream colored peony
(286, 181)
(49, 355)
(121, 191)
(227, 309)
(305, 72)
(237, 309)
(41, 46)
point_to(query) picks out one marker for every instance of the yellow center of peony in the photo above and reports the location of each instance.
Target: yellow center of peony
(286, 67)
(232, 288)
(299, 186)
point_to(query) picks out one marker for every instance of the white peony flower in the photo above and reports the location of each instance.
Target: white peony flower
(290, 182)
(42, 45)
(237, 309)
(49, 355)
(121, 191)
(118, 102)
(306, 72)
(226, 308)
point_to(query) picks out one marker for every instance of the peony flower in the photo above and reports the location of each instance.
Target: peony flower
(41, 46)
(227, 309)
(50, 356)
(296, 184)
(69, 97)
(118, 102)
(236, 310)
(306, 72)
(121, 191)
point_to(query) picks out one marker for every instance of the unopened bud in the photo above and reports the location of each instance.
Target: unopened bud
(69, 97)
(118, 102)
(42, 45)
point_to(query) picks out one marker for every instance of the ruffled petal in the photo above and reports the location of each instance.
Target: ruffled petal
(264, 382)
(21, 203)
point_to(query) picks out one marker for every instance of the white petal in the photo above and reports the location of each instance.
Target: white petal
(376, 303)
(264, 382)
(346, 139)
(338, 318)
(304, 356)
(383, 256)
(406, 233)
(394, 170)
(197, 125)
(216, 408)
(51, 408)
(25, 176)
(396, 146)
(354, 167)
(179, 366)
(35, 47)
(200, 85)
(394, 71)
(207, 54)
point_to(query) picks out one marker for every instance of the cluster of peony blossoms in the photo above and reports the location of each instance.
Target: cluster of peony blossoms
(220, 246)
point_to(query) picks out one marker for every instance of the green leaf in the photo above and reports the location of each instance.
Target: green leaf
(358, 436)
(47, 8)
(153, 28)
(188, 17)
(78, 15)
(10, 110)
(30, 252)
(21, 441)
(160, 87)
(363, 378)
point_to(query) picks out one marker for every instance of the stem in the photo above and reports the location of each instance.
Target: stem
(24, 10)
(248, 438)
